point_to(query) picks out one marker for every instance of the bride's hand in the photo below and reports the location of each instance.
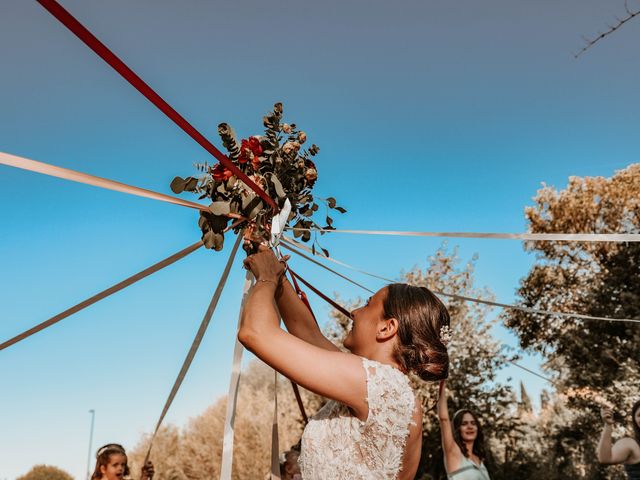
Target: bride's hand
(265, 266)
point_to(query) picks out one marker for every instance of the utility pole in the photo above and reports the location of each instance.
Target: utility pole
(93, 419)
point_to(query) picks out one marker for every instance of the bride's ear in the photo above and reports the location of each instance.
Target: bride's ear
(387, 329)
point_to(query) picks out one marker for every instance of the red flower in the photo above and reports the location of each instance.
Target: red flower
(220, 172)
(255, 146)
(249, 150)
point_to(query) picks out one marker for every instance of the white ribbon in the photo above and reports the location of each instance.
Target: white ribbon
(279, 222)
(232, 396)
(275, 442)
(292, 242)
(74, 176)
(540, 237)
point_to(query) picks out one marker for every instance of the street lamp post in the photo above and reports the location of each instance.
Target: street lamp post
(93, 418)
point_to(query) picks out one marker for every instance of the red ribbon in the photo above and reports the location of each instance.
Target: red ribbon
(130, 76)
(327, 299)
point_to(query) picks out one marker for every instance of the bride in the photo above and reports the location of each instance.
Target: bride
(372, 427)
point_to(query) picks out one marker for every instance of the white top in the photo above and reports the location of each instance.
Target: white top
(337, 445)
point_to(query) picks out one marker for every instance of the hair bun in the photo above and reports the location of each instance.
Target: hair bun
(432, 364)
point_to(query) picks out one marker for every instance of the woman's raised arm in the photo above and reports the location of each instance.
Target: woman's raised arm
(333, 374)
(452, 453)
(298, 319)
(607, 453)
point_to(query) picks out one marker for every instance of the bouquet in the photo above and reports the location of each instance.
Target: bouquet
(279, 164)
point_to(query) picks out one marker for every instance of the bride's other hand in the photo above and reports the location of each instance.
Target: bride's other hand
(265, 266)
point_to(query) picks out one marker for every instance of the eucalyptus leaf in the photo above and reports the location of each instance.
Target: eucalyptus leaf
(178, 184)
(325, 251)
(331, 202)
(220, 208)
(253, 207)
(202, 222)
(246, 200)
(213, 240)
(191, 184)
(278, 186)
(341, 210)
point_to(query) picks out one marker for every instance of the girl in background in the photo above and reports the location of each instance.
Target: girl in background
(111, 464)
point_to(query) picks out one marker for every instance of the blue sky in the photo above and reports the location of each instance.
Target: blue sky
(430, 115)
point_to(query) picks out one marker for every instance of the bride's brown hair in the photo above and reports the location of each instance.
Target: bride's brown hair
(421, 316)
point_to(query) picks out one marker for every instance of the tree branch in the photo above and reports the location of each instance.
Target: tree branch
(612, 28)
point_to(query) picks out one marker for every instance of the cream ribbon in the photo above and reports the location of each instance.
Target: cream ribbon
(275, 442)
(541, 237)
(103, 294)
(232, 395)
(196, 341)
(66, 174)
(291, 242)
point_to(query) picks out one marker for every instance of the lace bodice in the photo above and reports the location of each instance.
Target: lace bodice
(337, 445)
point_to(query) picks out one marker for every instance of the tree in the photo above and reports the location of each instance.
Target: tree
(45, 472)
(525, 402)
(595, 362)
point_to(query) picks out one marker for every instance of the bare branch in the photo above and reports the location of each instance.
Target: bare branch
(590, 42)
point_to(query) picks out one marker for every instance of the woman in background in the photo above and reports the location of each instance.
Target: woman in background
(627, 449)
(462, 443)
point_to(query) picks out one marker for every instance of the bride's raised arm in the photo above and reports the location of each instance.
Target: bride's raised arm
(297, 317)
(333, 374)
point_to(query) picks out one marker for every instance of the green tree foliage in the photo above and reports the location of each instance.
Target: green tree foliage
(45, 472)
(595, 362)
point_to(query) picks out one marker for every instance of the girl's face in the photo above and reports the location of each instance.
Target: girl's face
(468, 428)
(365, 324)
(636, 417)
(115, 467)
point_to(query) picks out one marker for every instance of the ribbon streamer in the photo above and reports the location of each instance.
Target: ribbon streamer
(69, 21)
(540, 237)
(74, 176)
(552, 382)
(196, 341)
(326, 268)
(465, 298)
(103, 294)
(232, 395)
(327, 299)
(275, 442)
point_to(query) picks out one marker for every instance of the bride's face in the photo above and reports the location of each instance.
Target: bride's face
(365, 324)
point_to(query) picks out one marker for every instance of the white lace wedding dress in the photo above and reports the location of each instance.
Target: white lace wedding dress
(336, 445)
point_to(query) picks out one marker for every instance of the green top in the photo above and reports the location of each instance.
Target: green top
(469, 471)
